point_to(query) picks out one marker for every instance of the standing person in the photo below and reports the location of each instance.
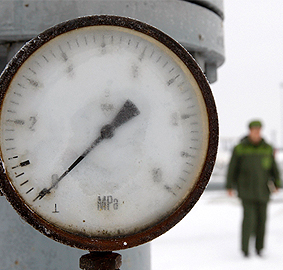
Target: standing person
(251, 169)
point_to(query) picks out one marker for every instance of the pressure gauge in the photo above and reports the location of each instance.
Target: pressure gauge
(109, 132)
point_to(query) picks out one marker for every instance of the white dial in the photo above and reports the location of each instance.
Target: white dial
(104, 131)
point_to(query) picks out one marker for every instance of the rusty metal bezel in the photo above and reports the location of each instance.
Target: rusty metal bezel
(119, 242)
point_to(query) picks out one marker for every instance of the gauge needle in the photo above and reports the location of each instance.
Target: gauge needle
(127, 112)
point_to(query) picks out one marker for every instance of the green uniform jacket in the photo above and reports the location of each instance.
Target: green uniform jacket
(250, 170)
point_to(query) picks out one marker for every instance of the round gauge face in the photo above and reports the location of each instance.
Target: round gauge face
(106, 135)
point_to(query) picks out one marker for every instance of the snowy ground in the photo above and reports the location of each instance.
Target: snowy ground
(208, 238)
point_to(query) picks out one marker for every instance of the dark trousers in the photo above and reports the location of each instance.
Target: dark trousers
(253, 224)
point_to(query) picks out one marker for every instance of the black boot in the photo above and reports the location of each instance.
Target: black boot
(258, 252)
(246, 254)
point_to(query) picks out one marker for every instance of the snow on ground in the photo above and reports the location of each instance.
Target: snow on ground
(208, 238)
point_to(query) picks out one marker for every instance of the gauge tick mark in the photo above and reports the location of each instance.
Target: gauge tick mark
(44, 57)
(53, 54)
(24, 163)
(19, 175)
(21, 85)
(29, 190)
(25, 182)
(11, 111)
(32, 71)
(63, 54)
(169, 189)
(190, 165)
(69, 45)
(18, 94)
(141, 57)
(103, 44)
(78, 44)
(14, 102)
(32, 82)
(17, 121)
(14, 157)
(172, 80)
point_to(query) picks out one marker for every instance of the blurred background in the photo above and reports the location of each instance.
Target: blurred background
(249, 86)
(250, 82)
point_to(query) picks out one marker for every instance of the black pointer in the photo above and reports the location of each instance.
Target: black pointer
(127, 112)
